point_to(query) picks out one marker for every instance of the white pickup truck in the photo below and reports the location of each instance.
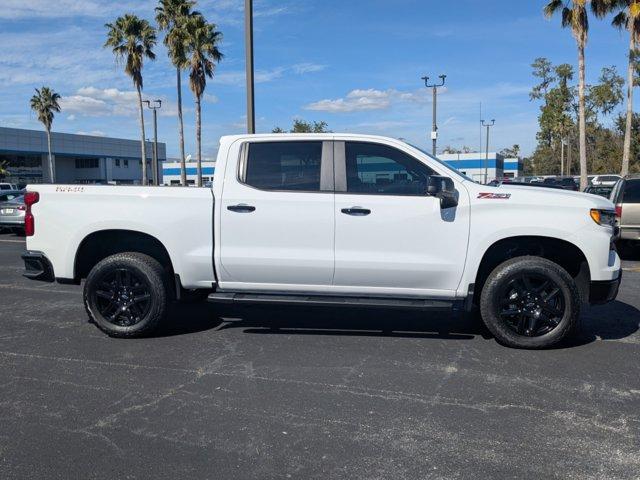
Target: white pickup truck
(329, 219)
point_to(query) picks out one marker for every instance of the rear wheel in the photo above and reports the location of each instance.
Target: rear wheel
(126, 294)
(530, 302)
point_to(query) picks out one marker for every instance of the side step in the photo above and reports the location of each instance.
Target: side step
(331, 301)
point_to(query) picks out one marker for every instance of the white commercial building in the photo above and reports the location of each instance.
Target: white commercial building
(477, 166)
(171, 172)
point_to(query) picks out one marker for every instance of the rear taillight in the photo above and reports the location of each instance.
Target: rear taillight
(29, 223)
(619, 211)
(21, 207)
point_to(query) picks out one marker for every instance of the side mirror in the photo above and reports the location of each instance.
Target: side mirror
(443, 188)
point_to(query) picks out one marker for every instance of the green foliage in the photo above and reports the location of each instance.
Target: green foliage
(45, 103)
(558, 121)
(131, 40)
(172, 17)
(202, 53)
(301, 126)
(3, 169)
(513, 152)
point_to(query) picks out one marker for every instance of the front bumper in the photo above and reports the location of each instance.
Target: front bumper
(37, 266)
(604, 291)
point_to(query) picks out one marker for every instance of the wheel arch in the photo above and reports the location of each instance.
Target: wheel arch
(100, 244)
(562, 252)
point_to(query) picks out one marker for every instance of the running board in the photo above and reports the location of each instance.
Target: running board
(331, 301)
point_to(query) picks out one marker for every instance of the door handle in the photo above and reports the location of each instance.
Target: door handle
(356, 211)
(241, 208)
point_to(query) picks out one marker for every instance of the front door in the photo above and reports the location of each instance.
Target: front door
(277, 216)
(391, 238)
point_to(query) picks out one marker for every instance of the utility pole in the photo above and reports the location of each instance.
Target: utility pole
(157, 104)
(486, 162)
(434, 129)
(248, 39)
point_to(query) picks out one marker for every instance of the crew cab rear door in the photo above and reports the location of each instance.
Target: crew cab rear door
(391, 237)
(277, 216)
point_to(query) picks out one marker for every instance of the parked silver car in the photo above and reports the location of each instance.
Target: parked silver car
(12, 213)
(626, 196)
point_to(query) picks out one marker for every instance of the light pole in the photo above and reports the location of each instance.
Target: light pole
(434, 130)
(157, 104)
(486, 162)
(248, 38)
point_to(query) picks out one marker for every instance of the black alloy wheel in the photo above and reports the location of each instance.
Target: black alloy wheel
(532, 305)
(123, 297)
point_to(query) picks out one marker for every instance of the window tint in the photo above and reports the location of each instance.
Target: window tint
(284, 166)
(632, 191)
(383, 170)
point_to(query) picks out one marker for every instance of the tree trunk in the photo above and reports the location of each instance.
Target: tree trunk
(183, 165)
(52, 173)
(581, 113)
(626, 152)
(198, 141)
(143, 143)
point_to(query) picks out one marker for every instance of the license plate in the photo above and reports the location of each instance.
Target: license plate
(6, 211)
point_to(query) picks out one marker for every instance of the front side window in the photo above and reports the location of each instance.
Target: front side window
(383, 170)
(293, 166)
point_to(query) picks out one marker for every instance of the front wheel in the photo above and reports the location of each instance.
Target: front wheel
(126, 294)
(530, 302)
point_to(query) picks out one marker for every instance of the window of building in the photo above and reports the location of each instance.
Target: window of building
(87, 162)
(293, 166)
(175, 182)
(380, 169)
(126, 163)
(117, 162)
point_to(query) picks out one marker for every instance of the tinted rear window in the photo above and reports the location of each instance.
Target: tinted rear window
(284, 166)
(632, 191)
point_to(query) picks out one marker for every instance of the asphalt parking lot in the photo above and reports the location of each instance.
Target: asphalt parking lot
(310, 393)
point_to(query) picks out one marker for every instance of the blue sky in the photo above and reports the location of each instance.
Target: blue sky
(356, 65)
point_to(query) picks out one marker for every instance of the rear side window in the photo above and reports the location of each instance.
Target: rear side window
(631, 191)
(383, 170)
(291, 166)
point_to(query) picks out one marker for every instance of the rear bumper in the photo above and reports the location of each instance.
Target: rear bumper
(11, 222)
(37, 267)
(630, 233)
(604, 291)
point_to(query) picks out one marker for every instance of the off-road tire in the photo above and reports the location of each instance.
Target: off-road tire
(490, 299)
(144, 267)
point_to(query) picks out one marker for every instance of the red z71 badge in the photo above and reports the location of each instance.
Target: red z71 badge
(494, 196)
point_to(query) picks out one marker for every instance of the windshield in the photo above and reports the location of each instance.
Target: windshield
(445, 165)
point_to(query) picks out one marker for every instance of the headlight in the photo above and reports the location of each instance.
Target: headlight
(603, 217)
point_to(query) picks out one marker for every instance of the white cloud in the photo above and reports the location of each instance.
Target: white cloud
(365, 99)
(100, 102)
(15, 9)
(237, 77)
(93, 133)
(307, 67)
(210, 98)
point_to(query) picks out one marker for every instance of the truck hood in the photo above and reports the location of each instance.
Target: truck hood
(547, 197)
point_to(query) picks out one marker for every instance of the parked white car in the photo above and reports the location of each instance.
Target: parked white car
(329, 219)
(605, 180)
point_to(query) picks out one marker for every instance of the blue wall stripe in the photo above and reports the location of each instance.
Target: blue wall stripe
(190, 171)
(460, 164)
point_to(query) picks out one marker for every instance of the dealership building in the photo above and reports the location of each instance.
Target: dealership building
(474, 165)
(77, 158)
(171, 172)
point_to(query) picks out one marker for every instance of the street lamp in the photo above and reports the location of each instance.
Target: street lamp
(434, 130)
(248, 38)
(157, 104)
(486, 163)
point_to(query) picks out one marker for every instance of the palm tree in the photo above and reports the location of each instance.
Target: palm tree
(628, 17)
(131, 40)
(44, 103)
(575, 16)
(202, 54)
(171, 16)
